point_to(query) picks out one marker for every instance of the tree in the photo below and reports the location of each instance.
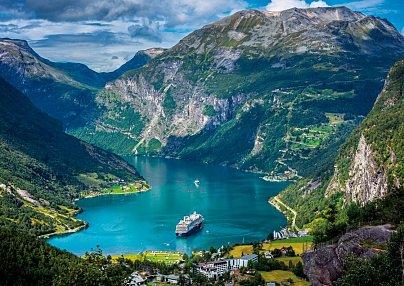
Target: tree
(298, 270)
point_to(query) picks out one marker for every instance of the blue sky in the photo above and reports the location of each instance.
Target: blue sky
(106, 33)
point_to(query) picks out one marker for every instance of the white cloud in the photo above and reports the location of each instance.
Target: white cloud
(363, 4)
(280, 5)
(95, 31)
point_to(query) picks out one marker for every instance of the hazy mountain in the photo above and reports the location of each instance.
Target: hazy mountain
(65, 91)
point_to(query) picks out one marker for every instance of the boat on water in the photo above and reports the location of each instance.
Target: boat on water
(189, 225)
(196, 182)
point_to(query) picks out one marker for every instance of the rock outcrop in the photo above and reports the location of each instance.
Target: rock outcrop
(323, 266)
(368, 180)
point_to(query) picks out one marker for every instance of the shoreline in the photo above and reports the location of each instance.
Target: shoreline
(67, 232)
(145, 188)
(278, 204)
(99, 194)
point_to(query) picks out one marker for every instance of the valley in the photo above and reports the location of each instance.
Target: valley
(284, 129)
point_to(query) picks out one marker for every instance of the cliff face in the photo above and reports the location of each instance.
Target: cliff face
(245, 91)
(367, 179)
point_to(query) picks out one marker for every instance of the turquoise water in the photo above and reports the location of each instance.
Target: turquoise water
(234, 205)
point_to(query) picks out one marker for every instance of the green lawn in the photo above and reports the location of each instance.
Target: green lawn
(154, 256)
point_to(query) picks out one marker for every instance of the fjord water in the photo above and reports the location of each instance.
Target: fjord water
(233, 203)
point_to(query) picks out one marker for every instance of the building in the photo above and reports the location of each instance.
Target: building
(217, 268)
(213, 269)
(247, 258)
(268, 255)
(170, 279)
(136, 280)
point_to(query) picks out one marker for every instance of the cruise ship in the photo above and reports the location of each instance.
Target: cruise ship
(189, 225)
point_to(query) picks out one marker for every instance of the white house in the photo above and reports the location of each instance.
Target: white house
(268, 255)
(135, 279)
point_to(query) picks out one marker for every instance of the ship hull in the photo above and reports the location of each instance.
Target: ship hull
(193, 230)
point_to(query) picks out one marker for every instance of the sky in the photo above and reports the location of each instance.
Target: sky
(104, 34)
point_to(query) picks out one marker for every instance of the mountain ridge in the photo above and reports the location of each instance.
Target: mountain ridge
(65, 90)
(251, 85)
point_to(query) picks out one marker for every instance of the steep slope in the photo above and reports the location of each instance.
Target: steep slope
(42, 169)
(272, 92)
(66, 91)
(369, 165)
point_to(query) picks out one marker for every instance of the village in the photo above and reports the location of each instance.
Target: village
(271, 262)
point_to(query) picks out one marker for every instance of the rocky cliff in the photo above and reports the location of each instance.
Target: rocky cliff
(260, 91)
(323, 266)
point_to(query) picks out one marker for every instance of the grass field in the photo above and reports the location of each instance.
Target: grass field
(154, 256)
(297, 244)
(280, 275)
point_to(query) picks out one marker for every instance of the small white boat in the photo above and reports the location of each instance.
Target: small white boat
(196, 182)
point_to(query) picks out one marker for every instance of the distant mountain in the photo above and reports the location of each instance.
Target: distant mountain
(275, 92)
(42, 169)
(65, 91)
(140, 59)
(369, 167)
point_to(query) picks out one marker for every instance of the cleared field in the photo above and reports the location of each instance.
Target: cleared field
(280, 275)
(241, 250)
(298, 244)
(154, 256)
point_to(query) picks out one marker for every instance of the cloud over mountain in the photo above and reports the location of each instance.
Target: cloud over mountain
(280, 5)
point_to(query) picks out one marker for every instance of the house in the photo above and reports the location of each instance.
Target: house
(268, 255)
(170, 279)
(135, 279)
(284, 251)
(271, 284)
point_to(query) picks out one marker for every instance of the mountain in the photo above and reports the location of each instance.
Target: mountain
(368, 172)
(43, 170)
(268, 92)
(66, 91)
(140, 59)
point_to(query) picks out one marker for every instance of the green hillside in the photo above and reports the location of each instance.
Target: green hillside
(332, 197)
(43, 170)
